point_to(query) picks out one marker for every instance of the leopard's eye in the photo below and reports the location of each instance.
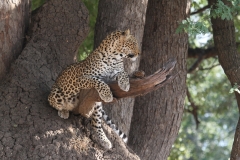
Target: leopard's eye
(131, 55)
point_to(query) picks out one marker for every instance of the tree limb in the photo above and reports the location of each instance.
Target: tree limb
(200, 52)
(194, 110)
(145, 85)
(195, 65)
(138, 87)
(205, 53)
(200, 10)
(229, 58)
(209, 68)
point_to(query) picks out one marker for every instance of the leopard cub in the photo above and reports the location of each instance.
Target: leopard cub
(104, 64)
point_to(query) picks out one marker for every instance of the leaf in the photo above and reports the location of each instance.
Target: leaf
(234, 88)
(221, 11)
(192, 27)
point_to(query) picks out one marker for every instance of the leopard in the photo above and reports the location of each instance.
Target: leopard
(105, 64)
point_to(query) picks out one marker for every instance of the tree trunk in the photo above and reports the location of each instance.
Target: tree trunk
(14, 17)
(29, 127)
(121, 15)
(229, 58)
(157, 116)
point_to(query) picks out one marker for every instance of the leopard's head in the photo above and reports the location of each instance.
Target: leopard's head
(130, 47)
(122, 45)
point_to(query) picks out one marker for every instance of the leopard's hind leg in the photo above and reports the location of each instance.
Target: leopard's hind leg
(97, 126)
(61, 102)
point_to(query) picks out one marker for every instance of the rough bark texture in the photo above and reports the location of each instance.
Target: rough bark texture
(157, 116)
(29, 127)
(225, 43)
(121, 15)
(14, 16)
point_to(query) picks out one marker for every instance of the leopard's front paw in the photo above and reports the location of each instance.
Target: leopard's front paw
(63, 114)
(106, 97)
(123, 81)
(125, 86)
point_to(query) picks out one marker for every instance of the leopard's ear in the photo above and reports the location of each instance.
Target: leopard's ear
(127, 33)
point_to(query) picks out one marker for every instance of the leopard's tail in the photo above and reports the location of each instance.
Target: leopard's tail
(114, 127)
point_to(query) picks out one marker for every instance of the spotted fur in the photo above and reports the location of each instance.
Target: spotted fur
(104, 64)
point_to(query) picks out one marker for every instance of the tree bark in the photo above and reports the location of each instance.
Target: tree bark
(14, 17)
(29, 127)
(157, 116)
(121, 15)
(225, 43)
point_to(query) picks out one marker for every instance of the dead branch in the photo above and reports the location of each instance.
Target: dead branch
(200, 54)
(194, 110)
(138, 87)
(200, 10)
(209, 68)
(195, 65)
(145, 85)
(205, 53)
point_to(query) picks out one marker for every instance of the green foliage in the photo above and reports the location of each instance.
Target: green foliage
(235, 88)
(219, 10)
(36, 3)
(212, 140)
(191, 27)
(222, 11)
(236, 7)
(87, 46)
(217, 114)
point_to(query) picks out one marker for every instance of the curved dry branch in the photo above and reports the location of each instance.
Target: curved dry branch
(142, 86)
(138, 87)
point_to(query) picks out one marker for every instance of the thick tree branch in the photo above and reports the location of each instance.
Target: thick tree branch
(139, 86)
(204, 53)
(229, 58)
(200, 52)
